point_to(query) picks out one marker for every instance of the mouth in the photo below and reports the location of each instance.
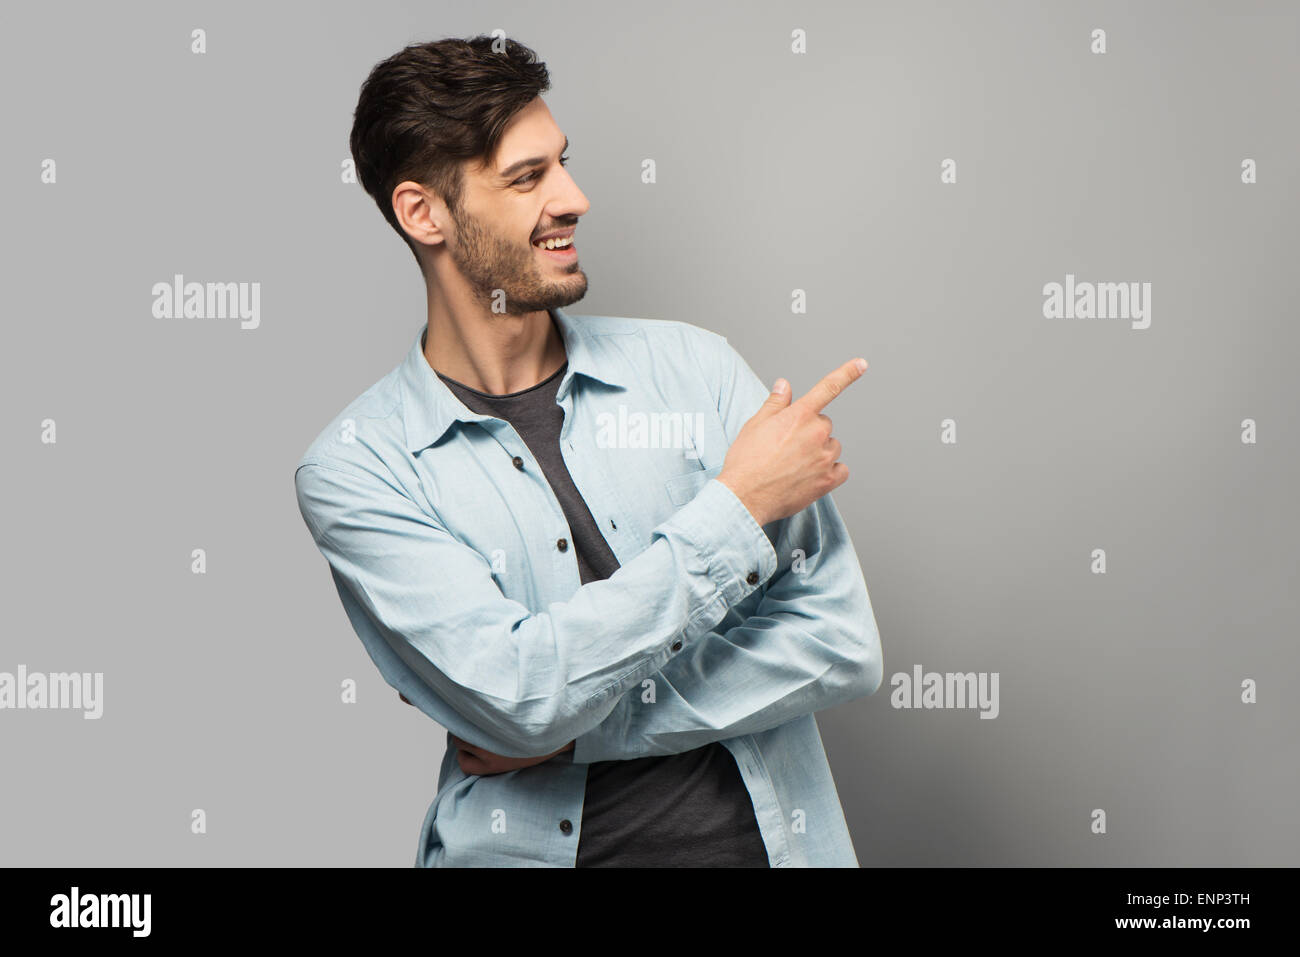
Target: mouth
(560, 248)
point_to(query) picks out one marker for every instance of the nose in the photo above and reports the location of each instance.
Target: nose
(574, 201)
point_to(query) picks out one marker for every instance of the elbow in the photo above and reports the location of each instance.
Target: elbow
(520, 741)
(531, 737)
(549, 730)
(857, 675)
(869, 670)
(860, 668)
(858, 638)
(548, 741)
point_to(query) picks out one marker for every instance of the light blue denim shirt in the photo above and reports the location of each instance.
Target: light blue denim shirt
(450, 553)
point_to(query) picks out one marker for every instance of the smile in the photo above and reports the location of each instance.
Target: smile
(561, 248)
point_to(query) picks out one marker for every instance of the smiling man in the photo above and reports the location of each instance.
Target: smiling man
(625, 640)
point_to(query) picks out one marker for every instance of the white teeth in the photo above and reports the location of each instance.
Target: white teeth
(561, 243)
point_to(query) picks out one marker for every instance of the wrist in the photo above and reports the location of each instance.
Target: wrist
(745, 499)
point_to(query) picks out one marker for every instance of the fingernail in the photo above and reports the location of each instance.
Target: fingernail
(861, 364)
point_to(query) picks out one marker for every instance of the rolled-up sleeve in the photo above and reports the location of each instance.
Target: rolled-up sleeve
(532, 681)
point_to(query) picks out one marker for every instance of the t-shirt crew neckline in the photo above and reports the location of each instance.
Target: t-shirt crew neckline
(504, 395)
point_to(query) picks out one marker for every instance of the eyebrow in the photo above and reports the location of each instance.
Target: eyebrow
(523, 164)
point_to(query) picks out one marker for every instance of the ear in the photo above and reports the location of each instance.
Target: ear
(420, 212)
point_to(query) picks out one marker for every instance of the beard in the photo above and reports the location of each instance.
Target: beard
(496, 268)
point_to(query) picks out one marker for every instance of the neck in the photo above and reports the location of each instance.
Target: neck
(492, 353)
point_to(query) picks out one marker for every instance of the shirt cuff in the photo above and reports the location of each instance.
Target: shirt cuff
(735, 553)
(739, 555)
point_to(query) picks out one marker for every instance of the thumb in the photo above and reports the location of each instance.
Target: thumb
(777, 400)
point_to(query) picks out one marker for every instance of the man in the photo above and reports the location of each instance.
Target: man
(594, 549)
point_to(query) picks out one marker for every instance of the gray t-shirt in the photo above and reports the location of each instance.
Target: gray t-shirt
(677, 810)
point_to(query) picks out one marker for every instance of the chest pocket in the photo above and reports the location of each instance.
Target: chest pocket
(682, 488)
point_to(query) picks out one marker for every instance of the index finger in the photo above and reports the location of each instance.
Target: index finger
(820, 395)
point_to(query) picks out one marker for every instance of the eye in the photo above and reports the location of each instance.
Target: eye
(564, 160)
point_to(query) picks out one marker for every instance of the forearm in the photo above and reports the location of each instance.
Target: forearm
(810, 643)
(485, 667)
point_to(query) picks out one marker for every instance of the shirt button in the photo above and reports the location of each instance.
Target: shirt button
(677, 646)
(753, 578)
(519, 463)
(562, 545)
(565, 826)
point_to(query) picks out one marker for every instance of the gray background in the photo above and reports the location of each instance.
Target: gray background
(776, 172)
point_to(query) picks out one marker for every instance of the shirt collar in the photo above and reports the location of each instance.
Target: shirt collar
(429, 408)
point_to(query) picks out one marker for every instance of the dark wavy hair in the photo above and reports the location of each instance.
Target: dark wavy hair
(430, 106)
